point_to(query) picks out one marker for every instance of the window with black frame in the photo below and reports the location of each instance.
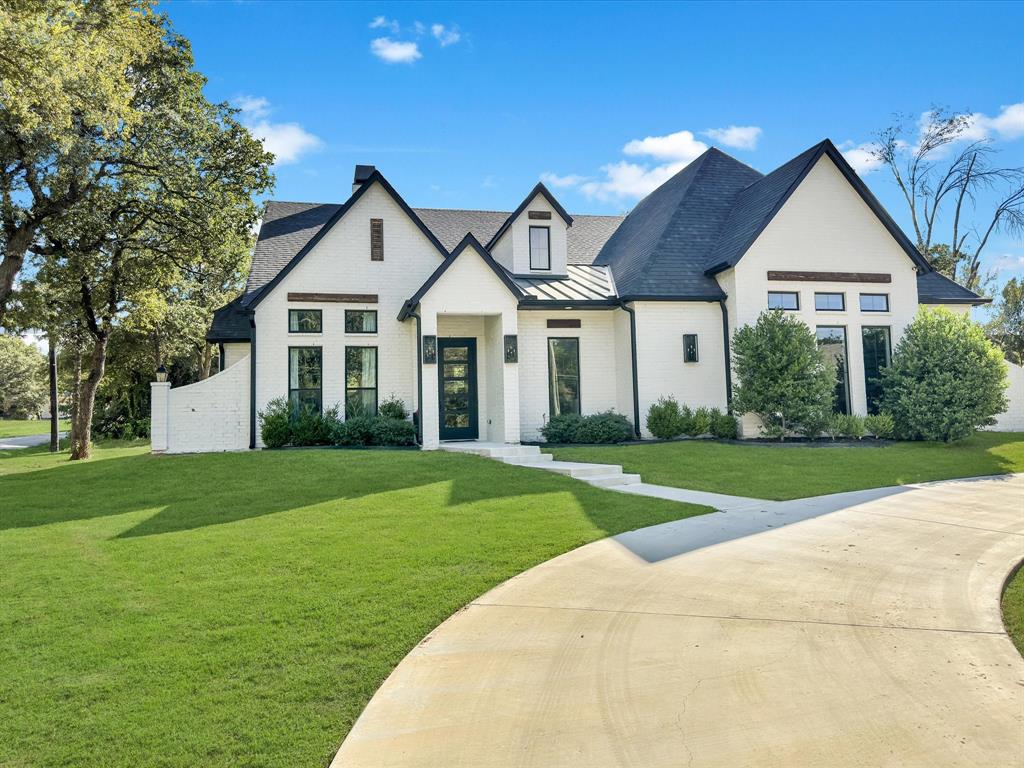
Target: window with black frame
(305, 321)
(830, 302)
(360, 321)
(877, 343)
(783, 300)
(874, 302)
(564, 376)
(305, 379)
(360, 381)
(832, 342)
(540, 248)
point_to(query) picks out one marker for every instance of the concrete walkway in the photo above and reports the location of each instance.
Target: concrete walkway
(856, 631)
(26, 441)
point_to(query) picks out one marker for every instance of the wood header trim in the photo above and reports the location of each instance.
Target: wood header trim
(831, 277)
(569, 322)
(539, 215)
(335, 298)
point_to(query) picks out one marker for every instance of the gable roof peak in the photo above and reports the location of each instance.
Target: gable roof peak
(538, 189)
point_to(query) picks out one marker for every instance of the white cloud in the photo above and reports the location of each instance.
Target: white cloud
(419, 27)
(1007, 125)
(680, 145)
(382, 22)
(861, 156)
(1008, 263)
(554, 180)
(445, 35)
(287, 141)
(395, 51)
(624, 179)
(737, 136)
(253, 107)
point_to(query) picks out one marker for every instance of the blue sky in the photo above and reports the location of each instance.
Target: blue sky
(468, 105)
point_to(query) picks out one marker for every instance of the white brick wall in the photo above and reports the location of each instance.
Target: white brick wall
(660, 326)
(599, 381)
(211, 415)
(235, 351)
(1013, 419)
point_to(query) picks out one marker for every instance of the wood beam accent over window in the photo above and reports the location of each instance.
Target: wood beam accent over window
(831, 277)
(335, 298)
(545, 215)
(567, 322)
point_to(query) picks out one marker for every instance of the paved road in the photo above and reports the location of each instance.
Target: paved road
(26, 441)
(868, 635)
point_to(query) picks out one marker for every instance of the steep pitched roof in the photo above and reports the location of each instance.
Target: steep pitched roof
(758, 204)
(935, 288)
(252, 298)
(661, 247)
(285, 230)
(541, 190)
(468, 241)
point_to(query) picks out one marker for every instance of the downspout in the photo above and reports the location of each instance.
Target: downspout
(728, 360)
(419, 377)
(632, 348)
(252, 381)
(220, 357)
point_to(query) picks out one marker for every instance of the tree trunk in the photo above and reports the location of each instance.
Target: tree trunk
(205, 360)
(13, 257)
(81, 443)
(54, 427)
(76, 388)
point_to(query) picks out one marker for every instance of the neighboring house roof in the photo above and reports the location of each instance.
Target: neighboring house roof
(467, 241)
(584, 283)
(230, 323)
(541, 190)
(661, 247)
(935, 288)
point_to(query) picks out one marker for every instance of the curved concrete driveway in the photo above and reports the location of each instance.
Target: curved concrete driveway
(868, 636)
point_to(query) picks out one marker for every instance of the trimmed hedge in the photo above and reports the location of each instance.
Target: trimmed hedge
(607, 427)
(280, 427)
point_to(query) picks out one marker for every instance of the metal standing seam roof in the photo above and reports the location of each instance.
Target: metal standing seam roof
(584, 282)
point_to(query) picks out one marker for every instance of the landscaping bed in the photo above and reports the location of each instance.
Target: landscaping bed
(241, 608)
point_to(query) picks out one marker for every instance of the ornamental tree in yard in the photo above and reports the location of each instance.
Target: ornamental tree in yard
(781, 374)
(22, 378)
(946, 378)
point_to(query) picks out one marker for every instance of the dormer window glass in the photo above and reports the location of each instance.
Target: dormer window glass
(540, 248)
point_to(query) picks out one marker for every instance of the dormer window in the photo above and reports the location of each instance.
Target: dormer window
(540, 248)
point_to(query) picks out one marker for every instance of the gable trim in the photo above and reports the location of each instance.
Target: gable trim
(467, 241)
(375, 178)
(540, 189)
(828, 148)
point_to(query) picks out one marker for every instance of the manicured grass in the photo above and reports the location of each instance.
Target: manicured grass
(792, 472)
(22, 427)
(1013, 609)
(240, 609)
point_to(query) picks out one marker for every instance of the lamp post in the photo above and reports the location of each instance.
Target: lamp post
(161, 373)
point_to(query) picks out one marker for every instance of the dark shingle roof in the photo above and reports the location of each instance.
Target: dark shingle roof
(285, 230)
(661, 247)
(936, 288)
(230, 323)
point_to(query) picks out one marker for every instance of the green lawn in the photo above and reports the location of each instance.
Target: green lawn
(1013, 609)
(240, 609)
(792, 472)
(22, 427)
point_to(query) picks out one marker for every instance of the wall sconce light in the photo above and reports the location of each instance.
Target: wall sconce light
(430, 349)
(161, 373)
(512, 349)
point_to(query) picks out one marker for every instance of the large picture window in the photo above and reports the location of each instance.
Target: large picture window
(360, 321)
(305, 378)
(305, 321)
(540, 248)
(783, 300)
(877, 353)
(564, 375)
(832, 341)
(360, 381)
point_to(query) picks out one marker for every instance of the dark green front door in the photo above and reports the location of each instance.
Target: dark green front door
(456, 384)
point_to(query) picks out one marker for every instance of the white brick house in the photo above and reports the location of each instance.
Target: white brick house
(487, 323)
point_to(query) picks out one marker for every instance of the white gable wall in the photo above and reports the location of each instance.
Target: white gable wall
(512, 251)
(340, 263)
(825, 226)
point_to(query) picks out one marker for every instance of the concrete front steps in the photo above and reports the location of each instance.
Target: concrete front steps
(601, 475)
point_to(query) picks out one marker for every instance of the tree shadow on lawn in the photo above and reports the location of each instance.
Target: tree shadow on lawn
(191, 492)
